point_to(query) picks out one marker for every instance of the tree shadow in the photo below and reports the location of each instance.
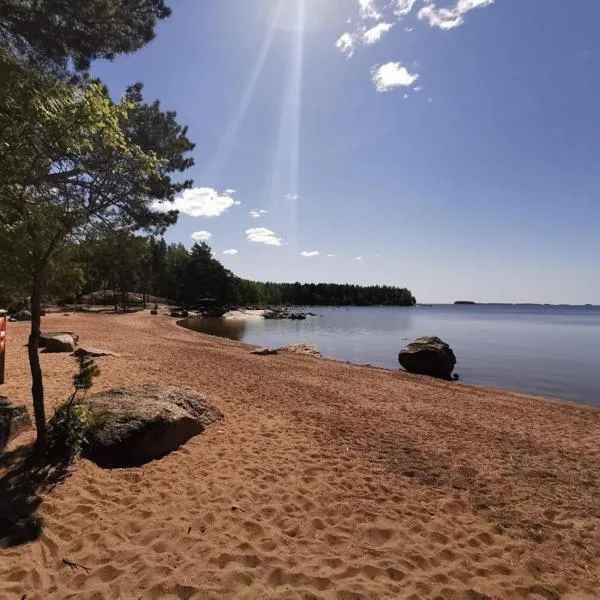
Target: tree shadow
(26, 475)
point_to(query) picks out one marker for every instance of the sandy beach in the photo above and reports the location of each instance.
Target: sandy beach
(325, 480)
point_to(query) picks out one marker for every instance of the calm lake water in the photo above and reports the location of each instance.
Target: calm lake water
(552, 351)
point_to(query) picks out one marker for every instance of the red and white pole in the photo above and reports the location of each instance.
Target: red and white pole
(3, 315)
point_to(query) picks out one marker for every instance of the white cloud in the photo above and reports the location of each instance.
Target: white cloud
(368, 10)
(358, 258)
(330, 255)
(291, 197)
(417, 88)
(199, 202)
(230, 191)
(392, 75)
(231, 252)
(449, 18)
(374, 34)
(404, 7)
(405, 96)
(347, 42)
(201, 236)
(262, 235)
(256, 214)
(309, 253)
(409, 29)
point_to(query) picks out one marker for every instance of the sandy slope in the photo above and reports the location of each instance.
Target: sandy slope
(351, 483)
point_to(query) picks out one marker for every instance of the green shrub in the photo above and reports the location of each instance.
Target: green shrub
(72, 420)
(69, 429)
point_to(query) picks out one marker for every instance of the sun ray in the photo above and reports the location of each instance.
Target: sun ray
(284, 180)
(214, 169)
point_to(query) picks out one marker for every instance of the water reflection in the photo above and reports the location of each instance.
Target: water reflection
(234, 329)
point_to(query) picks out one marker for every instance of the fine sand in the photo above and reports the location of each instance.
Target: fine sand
(324, 480)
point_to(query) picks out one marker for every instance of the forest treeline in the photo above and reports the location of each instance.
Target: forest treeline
(126, 270)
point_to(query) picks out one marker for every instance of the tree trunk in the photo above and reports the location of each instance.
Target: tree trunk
(37, 385)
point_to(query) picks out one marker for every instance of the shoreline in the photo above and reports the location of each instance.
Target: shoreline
(253, 314)
(353, 479)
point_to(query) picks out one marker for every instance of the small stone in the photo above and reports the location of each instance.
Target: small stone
(265, 351)
(303, 348)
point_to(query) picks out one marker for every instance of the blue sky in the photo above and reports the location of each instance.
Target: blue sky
(454, 147)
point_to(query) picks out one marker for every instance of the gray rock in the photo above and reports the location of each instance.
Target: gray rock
(428, 355)
(13, 420)
(45, 336)
(132, 426)
(21, 315)
(93, 352)
(60, 343)
(265, 351)
(303, 348)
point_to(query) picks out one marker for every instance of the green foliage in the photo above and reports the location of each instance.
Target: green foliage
(68, 431)
(71, 166)
(72, 160)
(88, 370)
(73, 419)
(61, 35)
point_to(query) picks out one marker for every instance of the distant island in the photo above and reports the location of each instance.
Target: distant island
(465, 302)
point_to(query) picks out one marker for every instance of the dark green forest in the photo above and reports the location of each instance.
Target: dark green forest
(126, 270)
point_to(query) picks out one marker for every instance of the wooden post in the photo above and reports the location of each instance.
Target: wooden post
(3, 315)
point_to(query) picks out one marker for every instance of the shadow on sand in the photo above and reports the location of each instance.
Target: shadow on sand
(25, 476)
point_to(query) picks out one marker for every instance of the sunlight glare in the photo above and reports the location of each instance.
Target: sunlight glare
(214, 168)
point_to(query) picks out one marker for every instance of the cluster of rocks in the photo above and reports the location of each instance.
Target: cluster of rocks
(284, 313)
(184, 313)
(15, 418)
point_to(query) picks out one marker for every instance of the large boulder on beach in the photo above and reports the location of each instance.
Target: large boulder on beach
(62, 342)
(13, 420)
(44, 337)
(428, 355)
(132, 426)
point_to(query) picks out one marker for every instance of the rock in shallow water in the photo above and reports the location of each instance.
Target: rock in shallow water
(132, 426)
(428, 355)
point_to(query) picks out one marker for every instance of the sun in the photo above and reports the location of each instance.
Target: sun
(305, 16)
